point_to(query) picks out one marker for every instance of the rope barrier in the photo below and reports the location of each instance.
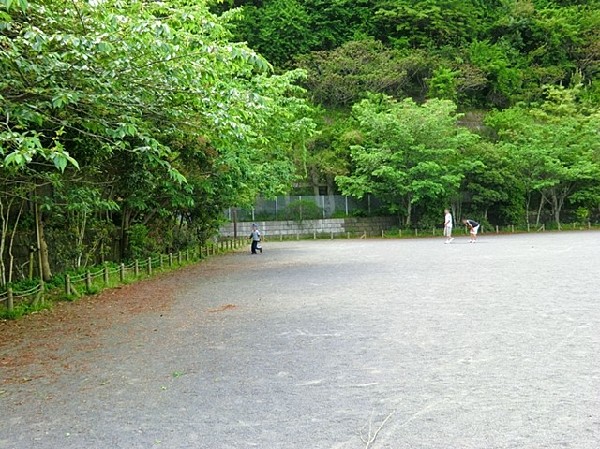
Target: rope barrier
(136, 266)
(30, 292)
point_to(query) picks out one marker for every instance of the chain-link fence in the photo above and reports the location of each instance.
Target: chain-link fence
(300, 207)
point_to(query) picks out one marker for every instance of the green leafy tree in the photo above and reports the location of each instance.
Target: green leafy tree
(327, 152)
(503, 78)
(492, 184)
(557, 145)
(443, 84)
(283, 30)
(428, 23)
(409, 154)
(341, 77)
(134, 97)
(278, 29)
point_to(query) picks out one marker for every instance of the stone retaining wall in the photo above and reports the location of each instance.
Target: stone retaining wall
(336, 226)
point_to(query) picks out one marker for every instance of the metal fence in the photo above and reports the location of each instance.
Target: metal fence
(305, 207)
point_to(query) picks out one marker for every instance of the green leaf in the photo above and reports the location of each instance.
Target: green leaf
(60, 161)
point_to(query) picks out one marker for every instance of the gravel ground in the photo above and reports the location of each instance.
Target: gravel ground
(323, 344)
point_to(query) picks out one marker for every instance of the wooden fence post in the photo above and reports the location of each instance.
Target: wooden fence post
(88, 281)
(170, 260)
(9, 299)
(106, 275)
(149, 266)
(31, 261)
(122, 272)
(136, 268)
(179, 257)
(67, 285)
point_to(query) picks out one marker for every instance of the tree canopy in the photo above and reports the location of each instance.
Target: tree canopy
(136, 113)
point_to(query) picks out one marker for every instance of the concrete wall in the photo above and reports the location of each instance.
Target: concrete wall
(338, 226)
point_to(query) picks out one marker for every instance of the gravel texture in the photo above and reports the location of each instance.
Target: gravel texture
(323, 344)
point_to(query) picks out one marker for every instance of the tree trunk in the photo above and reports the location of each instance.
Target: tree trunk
(539, 212)
(3, 235)
(124, 233)
(314, 175)
(558, 200)
(45, 271)
(456, 209)
(330, 185)
(234, 220)
(11, 257)
(408, 212)
(527, 204)
(80, 237)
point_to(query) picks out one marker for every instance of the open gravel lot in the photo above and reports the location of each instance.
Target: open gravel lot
(343, 344)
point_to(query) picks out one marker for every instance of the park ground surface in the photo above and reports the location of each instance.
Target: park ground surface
(323, 344)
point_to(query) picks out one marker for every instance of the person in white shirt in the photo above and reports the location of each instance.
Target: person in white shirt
(256, 238)
(448, 226)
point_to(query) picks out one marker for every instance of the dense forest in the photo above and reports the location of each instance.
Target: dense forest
(488, 106)
(129, 126)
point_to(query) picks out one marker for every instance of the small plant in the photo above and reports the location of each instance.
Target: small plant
(23, 309)
(339, 214)
(583, 215)
(359, 213)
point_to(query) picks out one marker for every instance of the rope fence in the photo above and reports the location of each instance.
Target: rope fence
(92, 281)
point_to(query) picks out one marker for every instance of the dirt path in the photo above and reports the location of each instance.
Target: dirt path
(320, 345)
(34, 347)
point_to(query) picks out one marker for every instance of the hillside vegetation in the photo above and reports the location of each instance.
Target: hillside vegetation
(398, 80)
